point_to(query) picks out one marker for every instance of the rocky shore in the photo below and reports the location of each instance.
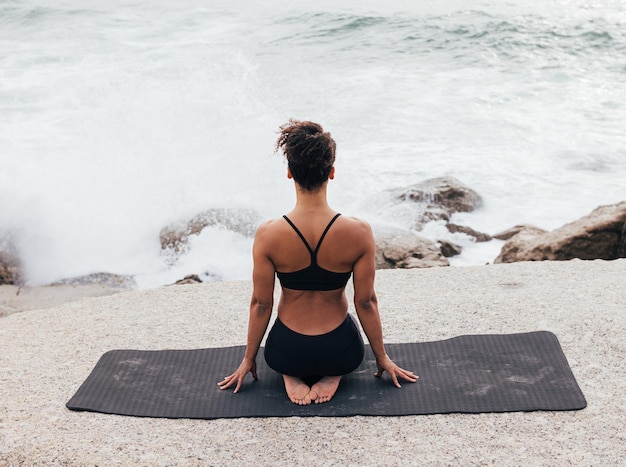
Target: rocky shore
(46, 354)
(599, 235)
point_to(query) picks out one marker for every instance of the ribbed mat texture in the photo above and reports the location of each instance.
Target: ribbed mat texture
(467, 374)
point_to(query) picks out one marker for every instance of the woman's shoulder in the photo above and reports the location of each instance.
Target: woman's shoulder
(267, 235)
(355, 231)
(272, 228)
(356, 224)
(268, 226)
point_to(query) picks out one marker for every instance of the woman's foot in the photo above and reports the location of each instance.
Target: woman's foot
(297, 391)
(324, 389)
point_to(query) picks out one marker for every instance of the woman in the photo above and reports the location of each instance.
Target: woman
(313, 251)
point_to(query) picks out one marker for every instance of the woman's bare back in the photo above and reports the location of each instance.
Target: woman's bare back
(313, 312)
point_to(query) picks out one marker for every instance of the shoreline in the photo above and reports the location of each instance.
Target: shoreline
(46, 354)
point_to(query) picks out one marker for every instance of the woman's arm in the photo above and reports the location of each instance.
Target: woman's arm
(366, 305)
(261, 305)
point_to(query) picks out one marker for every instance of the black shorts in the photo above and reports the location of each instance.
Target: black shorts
(335, 353)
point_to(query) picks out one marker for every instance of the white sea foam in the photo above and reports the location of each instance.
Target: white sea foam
(118, 119)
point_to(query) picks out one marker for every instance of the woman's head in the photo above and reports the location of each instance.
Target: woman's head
(310, 153)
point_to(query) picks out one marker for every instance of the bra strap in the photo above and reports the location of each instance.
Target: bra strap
(299, 234)
(332, 221)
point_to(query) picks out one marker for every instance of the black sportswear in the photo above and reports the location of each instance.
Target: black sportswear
(313, 277)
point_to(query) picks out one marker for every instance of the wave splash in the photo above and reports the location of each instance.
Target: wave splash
(117, 122)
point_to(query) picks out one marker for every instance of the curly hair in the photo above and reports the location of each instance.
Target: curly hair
(310, 152)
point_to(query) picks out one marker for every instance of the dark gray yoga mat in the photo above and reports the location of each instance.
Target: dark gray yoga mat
(467, 374)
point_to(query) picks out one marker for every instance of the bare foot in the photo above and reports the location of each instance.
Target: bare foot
(324, 389)
(297, 391)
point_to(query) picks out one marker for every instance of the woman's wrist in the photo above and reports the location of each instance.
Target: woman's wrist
(249, 358)
(382, 357)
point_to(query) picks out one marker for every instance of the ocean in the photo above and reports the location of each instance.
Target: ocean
(118, 118)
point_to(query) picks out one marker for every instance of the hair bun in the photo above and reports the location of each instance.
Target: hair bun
(309, 150)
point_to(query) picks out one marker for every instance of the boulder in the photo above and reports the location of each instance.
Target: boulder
(175, 236)
(599, 235)
(191, 279)
(8, 274)
(526, 229)
(431, 200)
(445, 193)
(479, 236)
(10, 265)
(449, 249)
(398, 248)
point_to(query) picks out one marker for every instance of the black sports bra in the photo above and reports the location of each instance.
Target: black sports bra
(313, 277)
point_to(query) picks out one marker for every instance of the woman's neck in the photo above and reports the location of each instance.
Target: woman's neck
(311, 200)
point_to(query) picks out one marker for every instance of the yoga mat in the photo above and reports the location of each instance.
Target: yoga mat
(467, 374)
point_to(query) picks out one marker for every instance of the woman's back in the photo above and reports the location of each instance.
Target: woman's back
(315, 309)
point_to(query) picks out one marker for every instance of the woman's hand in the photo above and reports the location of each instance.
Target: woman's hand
(239, 375)
(386, 364)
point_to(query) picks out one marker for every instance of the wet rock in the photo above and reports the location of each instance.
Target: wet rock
(10, 265)
(445, 193)
(398, 248)
(8, 274)
(527, 229)
(599, 235)
(431, 200)
(189, 280)
(449, 249)
(479, 236)
(175, 236)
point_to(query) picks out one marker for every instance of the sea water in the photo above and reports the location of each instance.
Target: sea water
(120, 117)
